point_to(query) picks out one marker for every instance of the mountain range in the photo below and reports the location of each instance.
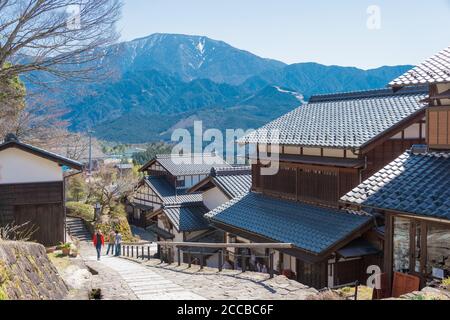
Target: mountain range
(167, 81)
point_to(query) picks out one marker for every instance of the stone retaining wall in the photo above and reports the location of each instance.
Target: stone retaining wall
(26, 273)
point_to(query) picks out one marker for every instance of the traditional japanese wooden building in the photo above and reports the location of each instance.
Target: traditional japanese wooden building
(32, 183)
(412, 193)
(324, 149)
(161, 203)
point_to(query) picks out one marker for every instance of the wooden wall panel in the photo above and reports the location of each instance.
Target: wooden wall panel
(41, 204)
(439, 127)
(32, 193)
(315, 184)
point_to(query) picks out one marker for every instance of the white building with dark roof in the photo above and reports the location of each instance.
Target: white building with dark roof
(32, 189)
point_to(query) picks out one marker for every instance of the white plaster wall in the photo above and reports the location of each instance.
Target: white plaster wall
(17, 166)
(214, 198)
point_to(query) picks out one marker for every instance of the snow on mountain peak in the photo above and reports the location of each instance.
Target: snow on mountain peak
(201, 46)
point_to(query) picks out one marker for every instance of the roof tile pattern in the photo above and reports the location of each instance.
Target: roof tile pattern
(413, 183)
(341, 121)
(310, 228)
(235, 185)
(187, 218)
(168, 194)
(234, 181)
(190, 164)
(434, 70)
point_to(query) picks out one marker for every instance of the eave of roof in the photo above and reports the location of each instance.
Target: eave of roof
(63, 161)
(315, 160)
(435, 69)
(292, 222)
(413, 184)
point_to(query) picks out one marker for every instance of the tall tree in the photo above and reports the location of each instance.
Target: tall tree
(60, 37)
(12, 103)
(60, 40)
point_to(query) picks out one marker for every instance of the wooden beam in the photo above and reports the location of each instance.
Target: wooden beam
(227, 245)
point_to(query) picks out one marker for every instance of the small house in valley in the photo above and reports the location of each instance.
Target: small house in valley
(32, 183)
(324, 149)
(412, 193)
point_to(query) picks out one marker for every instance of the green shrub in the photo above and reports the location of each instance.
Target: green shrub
(81, 210)
(446, 283)
(116, 219)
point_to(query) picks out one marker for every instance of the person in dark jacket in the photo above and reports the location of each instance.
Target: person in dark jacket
(99, 242)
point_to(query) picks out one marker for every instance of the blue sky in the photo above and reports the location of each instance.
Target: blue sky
(324, 31)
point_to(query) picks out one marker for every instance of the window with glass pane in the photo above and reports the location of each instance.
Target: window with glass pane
(438, 247)
(401, 244)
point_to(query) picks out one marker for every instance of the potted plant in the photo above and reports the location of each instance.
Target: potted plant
(65, 247)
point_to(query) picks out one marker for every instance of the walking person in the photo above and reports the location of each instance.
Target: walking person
(111, 242)
(118, 238)
(99, 242)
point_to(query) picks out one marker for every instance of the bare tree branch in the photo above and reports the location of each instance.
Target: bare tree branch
(38, 35)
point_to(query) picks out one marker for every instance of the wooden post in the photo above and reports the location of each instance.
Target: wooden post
(271, 264)
(132, 251)
(161, 254)
(179, 256)
(148, 252)
(142, 250)
(189, 258)
(123, 250)
(128, 251)
(201, 259)
(220, 260)
(356, 290)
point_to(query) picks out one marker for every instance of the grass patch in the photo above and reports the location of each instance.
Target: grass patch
(364, 293)
(60, 261)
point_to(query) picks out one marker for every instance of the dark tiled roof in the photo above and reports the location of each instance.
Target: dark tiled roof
(168, 193)
(234, 181)
(434, 70)
(349, 120)
(42, 153)
(190, 164)
(308, 227)
(413, 183)
(187, 218)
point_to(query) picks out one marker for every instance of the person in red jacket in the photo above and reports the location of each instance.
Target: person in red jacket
(99, 242)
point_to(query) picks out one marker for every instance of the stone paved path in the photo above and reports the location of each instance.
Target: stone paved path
(229, 284)
(145, 283)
